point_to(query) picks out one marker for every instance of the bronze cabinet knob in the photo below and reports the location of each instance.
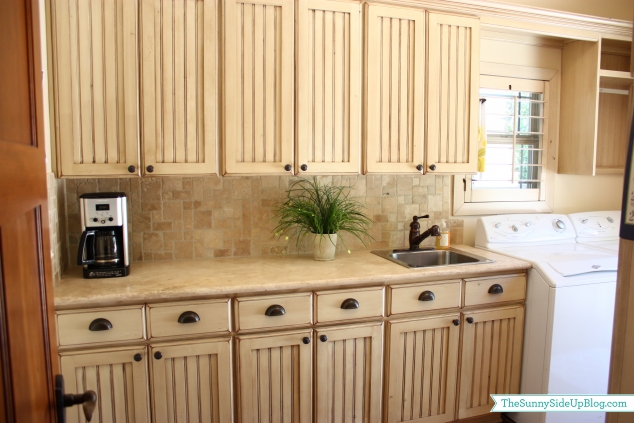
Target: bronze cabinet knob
(287, 168)
(350, 304)
(306, 340)
(189, 317)
(304, 167)
(456, 322)
(323, 338)
(470, 320)
(496, 289)
(150, 169)
(100, 324)
(158, 355)
(131, 169)
(275, 310)
(432, 167)
(419, 167)
(426, 296)
(138, 357)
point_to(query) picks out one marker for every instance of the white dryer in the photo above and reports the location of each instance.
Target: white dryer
(569, 308)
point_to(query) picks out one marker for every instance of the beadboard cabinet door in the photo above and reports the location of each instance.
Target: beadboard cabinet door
(329, 87)
(394, 90)
(422, 370)
(348, 374)
(120, 382)
(95, 71)
(191, 382)
(178, 51)
(452, 93)
(275, 377)
(259, 62)
(491, 358)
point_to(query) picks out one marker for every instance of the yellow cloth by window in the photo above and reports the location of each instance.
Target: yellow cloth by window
(482, 138)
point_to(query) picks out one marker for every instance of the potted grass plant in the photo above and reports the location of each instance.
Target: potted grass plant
(322, 210)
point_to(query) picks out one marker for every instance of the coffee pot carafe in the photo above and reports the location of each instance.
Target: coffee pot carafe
(103, 247)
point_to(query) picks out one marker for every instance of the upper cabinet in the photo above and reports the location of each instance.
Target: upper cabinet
(258, 81)
(95, 63)
(178, 86)
(410, 60)
(453, 58)
(395, 69)
(328, 87)
(596, 105)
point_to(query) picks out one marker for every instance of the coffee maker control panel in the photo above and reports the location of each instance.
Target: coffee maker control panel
(101, 212)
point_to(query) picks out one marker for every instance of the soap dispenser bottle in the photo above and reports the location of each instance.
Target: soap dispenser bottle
(442, 240)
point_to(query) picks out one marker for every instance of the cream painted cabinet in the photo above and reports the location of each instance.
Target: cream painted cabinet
(596, 105)
(348, 373)
(178, 86)
(491, 357)
(422, 369)
(95, 61)
(275, 377)
(118, 377)
(258, 86)
(329, 87)
(394, 92)
(191, 381)
(453, 59)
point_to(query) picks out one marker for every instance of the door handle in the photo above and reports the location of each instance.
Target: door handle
(88, 400)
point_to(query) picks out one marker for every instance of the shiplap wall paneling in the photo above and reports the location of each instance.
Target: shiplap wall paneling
(395, 66)
(191, 382)
(491, 358)
(275, 378)
(259, 110)
(452, 93)
(95, 74)
(348, 374)
(421, 377)
(120, 382)
(179, 86)
(329, 87)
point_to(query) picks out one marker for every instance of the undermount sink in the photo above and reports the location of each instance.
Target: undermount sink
(430, 257)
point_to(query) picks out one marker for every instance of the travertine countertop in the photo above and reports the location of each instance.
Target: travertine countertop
(191, 279)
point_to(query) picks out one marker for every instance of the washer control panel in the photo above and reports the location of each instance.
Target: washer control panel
(524, 228)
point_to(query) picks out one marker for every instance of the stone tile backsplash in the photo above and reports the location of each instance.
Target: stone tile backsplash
(173, 218)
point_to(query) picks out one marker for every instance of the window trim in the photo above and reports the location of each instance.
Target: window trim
(551, 78)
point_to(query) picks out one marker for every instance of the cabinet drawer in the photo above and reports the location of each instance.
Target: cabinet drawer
(125, 324)
(359, 304)
(485, 291)
(188, 318)
(424, 297)
(284, 310)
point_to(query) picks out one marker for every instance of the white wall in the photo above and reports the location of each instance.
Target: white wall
(572, 193)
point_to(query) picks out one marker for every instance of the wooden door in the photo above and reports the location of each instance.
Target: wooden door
(329, 87)
(421, 370)
(348, 374)
(28, 352)
(491, 358)
(121, 383)
(394, 89)
(274, 378)
(453, 58)
(259, 86)
(95, 73)
(179, 86)
(191, 382)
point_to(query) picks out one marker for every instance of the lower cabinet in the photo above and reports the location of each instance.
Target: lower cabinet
(276, 375)
(491, 357)
(191, 382)
(421, 374)
(118, 376)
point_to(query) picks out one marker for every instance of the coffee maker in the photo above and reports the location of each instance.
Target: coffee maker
(103, 247)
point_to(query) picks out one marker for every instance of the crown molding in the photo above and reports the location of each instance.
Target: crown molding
(494, 9)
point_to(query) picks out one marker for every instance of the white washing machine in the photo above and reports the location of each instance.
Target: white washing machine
(569, 308)
(598, 229)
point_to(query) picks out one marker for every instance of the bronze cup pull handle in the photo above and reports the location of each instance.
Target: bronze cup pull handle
(100, 324)
(426, 296)
(189, 317)
(496, 289)
(350, 304)
(275, 310)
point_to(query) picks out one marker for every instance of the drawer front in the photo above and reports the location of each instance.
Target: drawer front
(251, 311)
(188, 318)
(485, 291)
(424, 297)
(126, 324)
(335, 306)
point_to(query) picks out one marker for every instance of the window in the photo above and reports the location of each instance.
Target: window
(514, 169)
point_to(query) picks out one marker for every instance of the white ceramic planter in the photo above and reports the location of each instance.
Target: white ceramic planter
(324, 247)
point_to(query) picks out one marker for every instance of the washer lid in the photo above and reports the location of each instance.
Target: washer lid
(579, 267)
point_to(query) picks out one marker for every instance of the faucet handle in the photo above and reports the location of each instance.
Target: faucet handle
(415, 218)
